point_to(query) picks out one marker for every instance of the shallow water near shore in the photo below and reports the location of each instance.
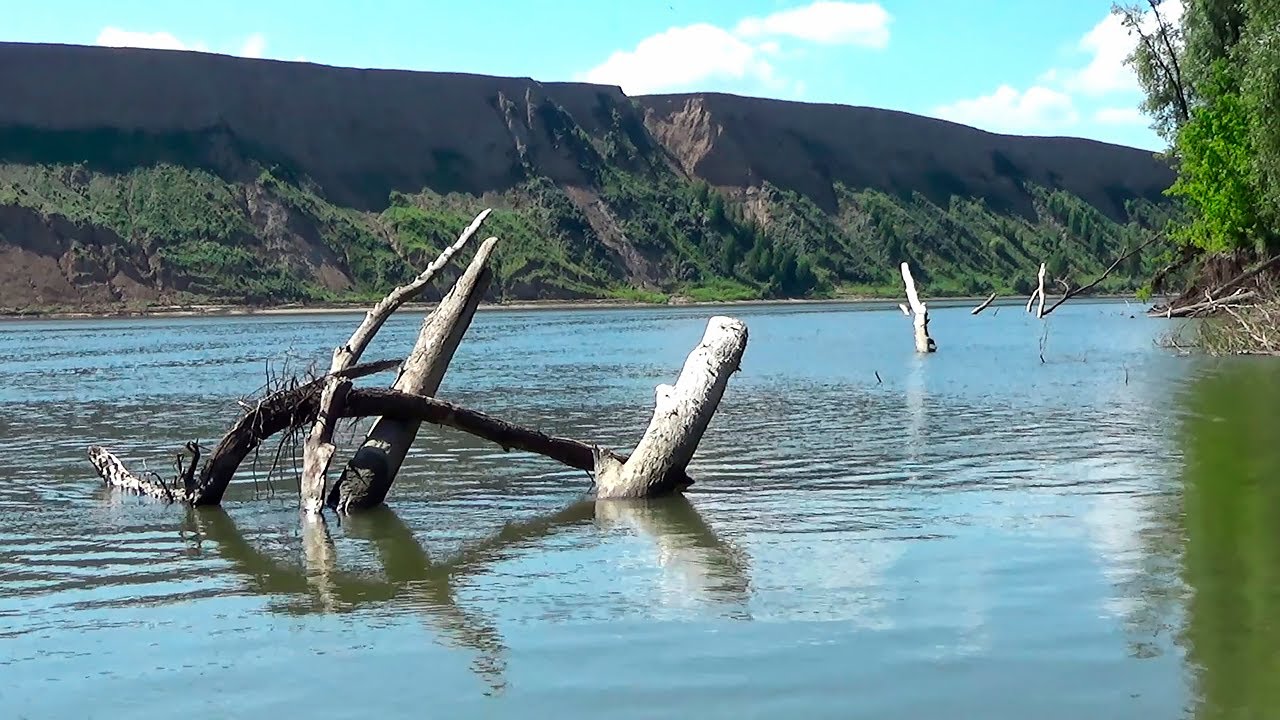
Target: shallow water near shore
(974, 533)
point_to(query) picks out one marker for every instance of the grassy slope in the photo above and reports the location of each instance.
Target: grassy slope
(197, 227)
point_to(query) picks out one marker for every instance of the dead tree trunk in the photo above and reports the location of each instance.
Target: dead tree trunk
(920, 313)
(1038, 293)
(984, 305)
(318, 450)
(680, 417)
(372, 469)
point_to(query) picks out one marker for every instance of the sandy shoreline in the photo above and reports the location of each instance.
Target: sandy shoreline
(351, 309)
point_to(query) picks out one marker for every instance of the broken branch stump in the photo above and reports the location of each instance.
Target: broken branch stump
(1038, 293)
(680, 417)
(371, 471)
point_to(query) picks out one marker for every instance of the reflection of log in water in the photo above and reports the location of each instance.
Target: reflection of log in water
(687, 546)
(685, 541)
(320, 587)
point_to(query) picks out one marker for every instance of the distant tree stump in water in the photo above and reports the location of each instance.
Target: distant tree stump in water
(920, 314)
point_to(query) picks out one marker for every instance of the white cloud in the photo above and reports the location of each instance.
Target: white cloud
(681, 58)
(1007, 109)
(115, 37)
(827, 23)
(1109, 44)
(1119, 116)
(1102, 89)
(254, 46)
(693, 56)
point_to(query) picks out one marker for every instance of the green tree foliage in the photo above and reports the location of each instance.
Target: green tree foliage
(1212, 84)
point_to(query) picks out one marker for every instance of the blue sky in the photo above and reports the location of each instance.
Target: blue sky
(1038, 67)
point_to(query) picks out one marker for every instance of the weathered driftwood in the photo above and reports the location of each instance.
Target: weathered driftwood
(318, 450)
(116, 475)
(1228, 292)
(299, 407)
(984, 305)
(369, 474)
(920, 313)
(1210, 306)
(680, 417)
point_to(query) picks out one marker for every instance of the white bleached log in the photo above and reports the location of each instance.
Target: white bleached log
(1040, 292)
(680, 417)
(985, 304)
(920, 314)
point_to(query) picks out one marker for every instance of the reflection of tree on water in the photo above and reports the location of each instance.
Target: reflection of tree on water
(1231, 518)
(411, 577)
(700, 562)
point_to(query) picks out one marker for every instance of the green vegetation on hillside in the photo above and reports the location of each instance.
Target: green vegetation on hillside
(636, 230)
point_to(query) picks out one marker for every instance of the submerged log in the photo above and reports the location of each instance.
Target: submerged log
(680, 417)
(920, 313)
(319, 449)
(117, 476)
(984, 305)
(371, 471)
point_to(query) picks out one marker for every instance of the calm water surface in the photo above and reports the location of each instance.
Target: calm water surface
(975, 533)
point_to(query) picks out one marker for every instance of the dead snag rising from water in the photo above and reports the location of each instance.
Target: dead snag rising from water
(1071, 292)
(657, 467)
(920, 313)
(1038, 293)
(371, 471)
(680, 417)
(319, 449)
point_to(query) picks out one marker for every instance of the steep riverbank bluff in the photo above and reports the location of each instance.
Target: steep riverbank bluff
(132, 178)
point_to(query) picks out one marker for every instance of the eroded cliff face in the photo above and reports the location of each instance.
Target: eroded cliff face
(132, 177)
(52, 262)
(740, 142)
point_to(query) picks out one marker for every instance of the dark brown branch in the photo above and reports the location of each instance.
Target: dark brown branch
(1084, 288)
(363, 402)
(279, 411)
(1175, 73)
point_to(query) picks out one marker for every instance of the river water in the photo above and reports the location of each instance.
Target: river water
(1049, 520)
